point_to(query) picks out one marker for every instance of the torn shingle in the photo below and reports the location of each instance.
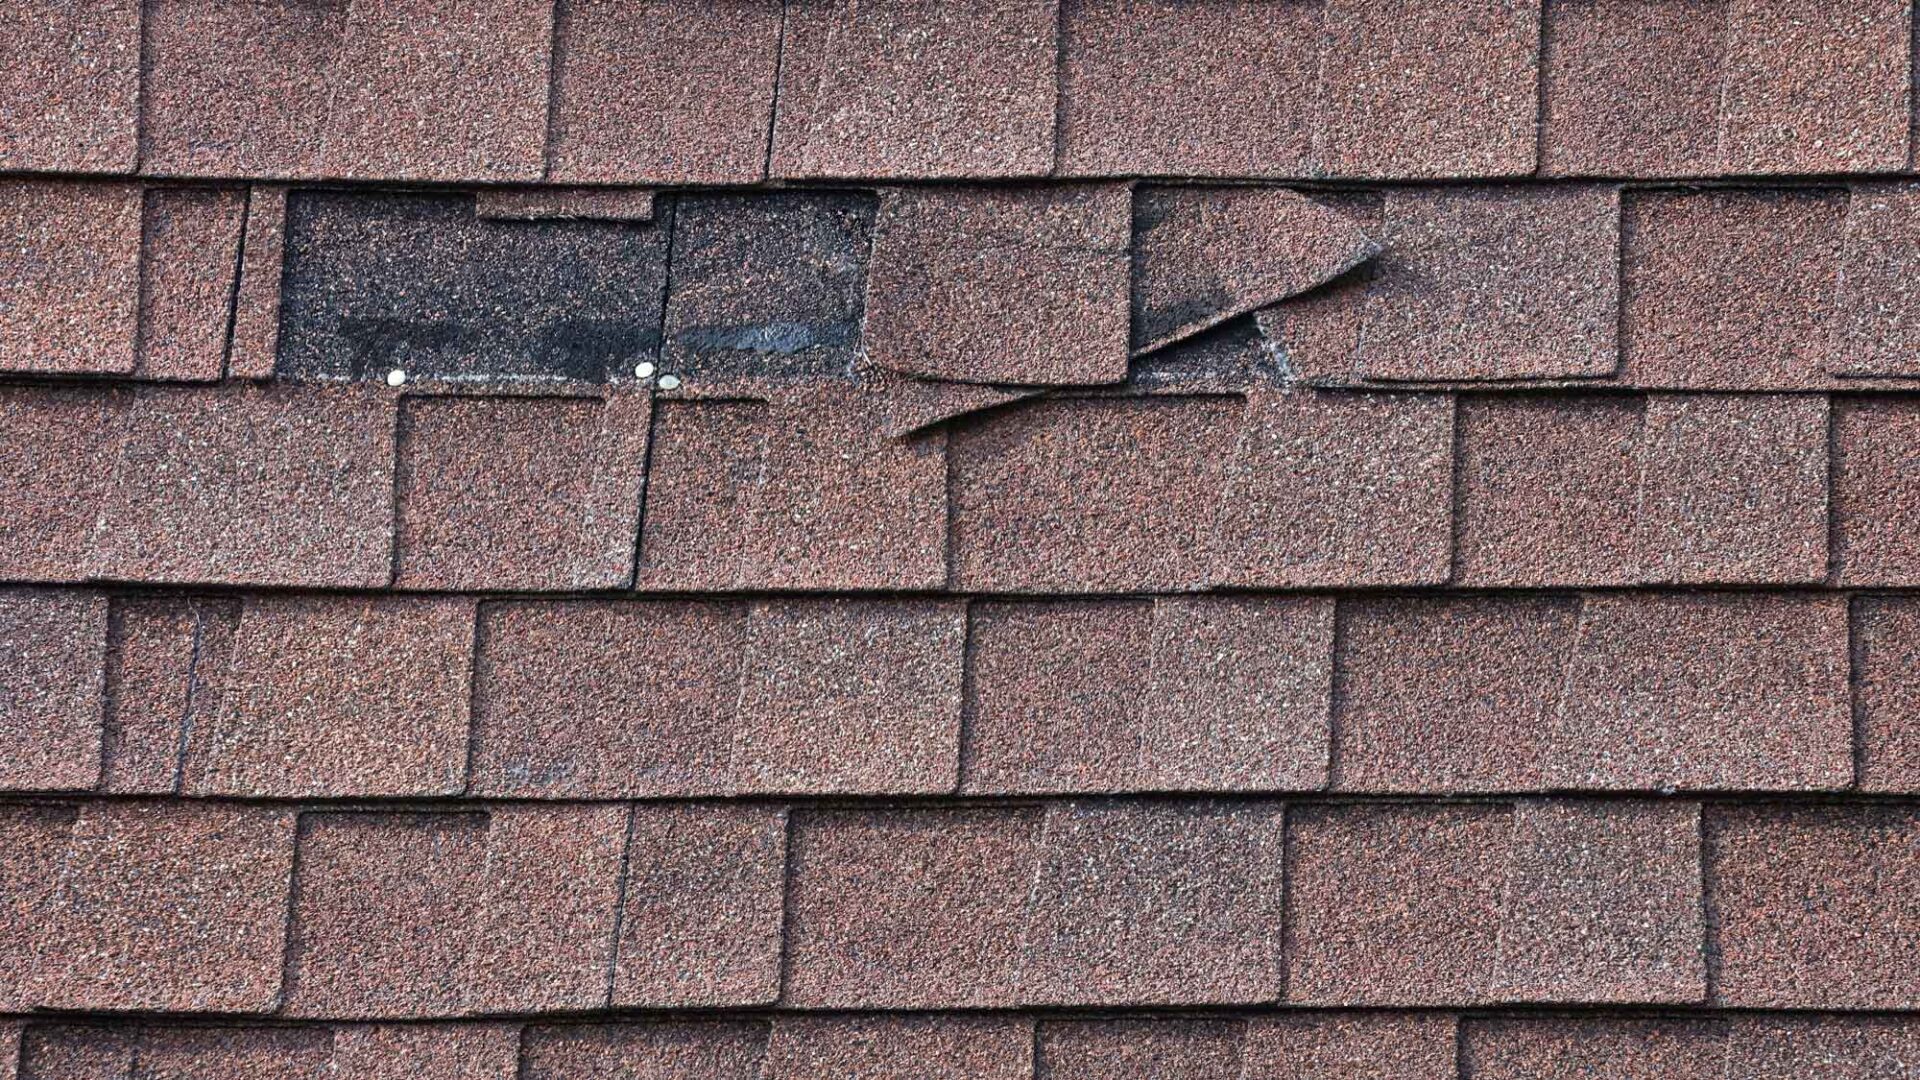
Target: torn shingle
(606, 700)
(1172, 89)
(1876, 491)
(702, 908)
(1685, 326)
(850, 697)
(1886, 665)
(1448, 694)
(1632, 88)
(69, 95)
(1350, 1046)
(1814, 89)
(767, 285)
(177, 907)
(58, 449)
(255, 487)
(1202, 255)
(1337, 490)
(338, 697)
(909, 908)
(1705, 692)
(1494, 283)
(167, 663)
(1022, 285)
(519, 493)
(1123, 1049)
(917, 89)
(1429, 91)
(900, 1048)
(1089, 495)
(663, 91)
(1147, 905)
(1815, 907)
(52, 671)
(665, 1050)
(1733, 489)
(420, 283)
(189, 271)
(70, 285)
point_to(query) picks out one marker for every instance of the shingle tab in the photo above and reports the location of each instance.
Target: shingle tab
(727, 1050)
(1122, 1049)
(69, 98)
(167, 664)
(1810, 88)
(1877, 327)
(1350, 1046)
(1876, 491)
(663, 91)
(900, 1048)
(1632, 88)
(177, 907)
(58, 450)
(916, 89)
(1886, 665)
(33, 854)
(1149, 905)
(70, 286)
(189, 277)
(53, 651)
(1814, 907)
(339, 697)
(423, 1052)
(1567, 1048)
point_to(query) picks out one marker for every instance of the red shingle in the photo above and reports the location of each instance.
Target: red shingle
(909, 909)
(542, 937)
(417, 1052)
(252, 487)
(606, 700)
(426, 90)
(1158, 87)
(1810, 88)
(1549, 490)
(1429, 91)
(1239, 694)
(1151, 905)
(851, 697)
(1337, 490)
(33, 850)
(1683, 325)
(380, 912)
(258, 1053)
(70, 286)
(337, 697)
(256, 310)
(177, 907)
(808, 493)
(1734, 489)
(1395, 905)
(1001, 285)
(189, 274)
(732, 1050)
(1448, 694)
(1350, 1046)
(1877, 327)
(1833, 1048)
(519, 493)
(1056, 695)
(1815, 907)
(702, 907)
(1203, 255)
(900, 1048)
(1603, 903)
(1632, 88)
(167, 664)
(53, 649)
(1126, 1049)
(1089, 495)
(58, 448)
(664, 91)
(1886, 666)
(1573, 1049)
(1705, 691)
(63, 1052)
(69, 96)
(917, 89)
(1876, 491)
(1494, 283)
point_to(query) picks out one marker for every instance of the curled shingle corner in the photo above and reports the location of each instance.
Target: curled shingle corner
(911, 406)
(1203, 255)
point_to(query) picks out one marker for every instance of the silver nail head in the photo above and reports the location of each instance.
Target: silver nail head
(643, 370)
(669, 382)
(396, 377)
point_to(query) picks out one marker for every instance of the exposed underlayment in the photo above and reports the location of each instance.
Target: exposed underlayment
(1033, 540)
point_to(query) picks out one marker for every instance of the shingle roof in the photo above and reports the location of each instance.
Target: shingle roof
(1027, 540)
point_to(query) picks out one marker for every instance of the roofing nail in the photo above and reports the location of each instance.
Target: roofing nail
(644, 370)
(669, 382)
(396, 377)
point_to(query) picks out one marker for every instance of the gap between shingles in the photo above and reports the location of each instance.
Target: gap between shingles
(556, 41)
(1336, 691)
(773, 106)
(619, 911)
(963, 739)
(787, 887)
(290, 942)
(185, 736)
(233, 283)
(646, 487)
(475, 675)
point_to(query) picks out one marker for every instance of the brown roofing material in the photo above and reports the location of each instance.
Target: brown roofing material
(1876, 491)
(52, 672)
(928, 1047)
(71, 86)
(70, 287)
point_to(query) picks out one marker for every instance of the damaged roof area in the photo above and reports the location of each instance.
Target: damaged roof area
(1033, 540)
